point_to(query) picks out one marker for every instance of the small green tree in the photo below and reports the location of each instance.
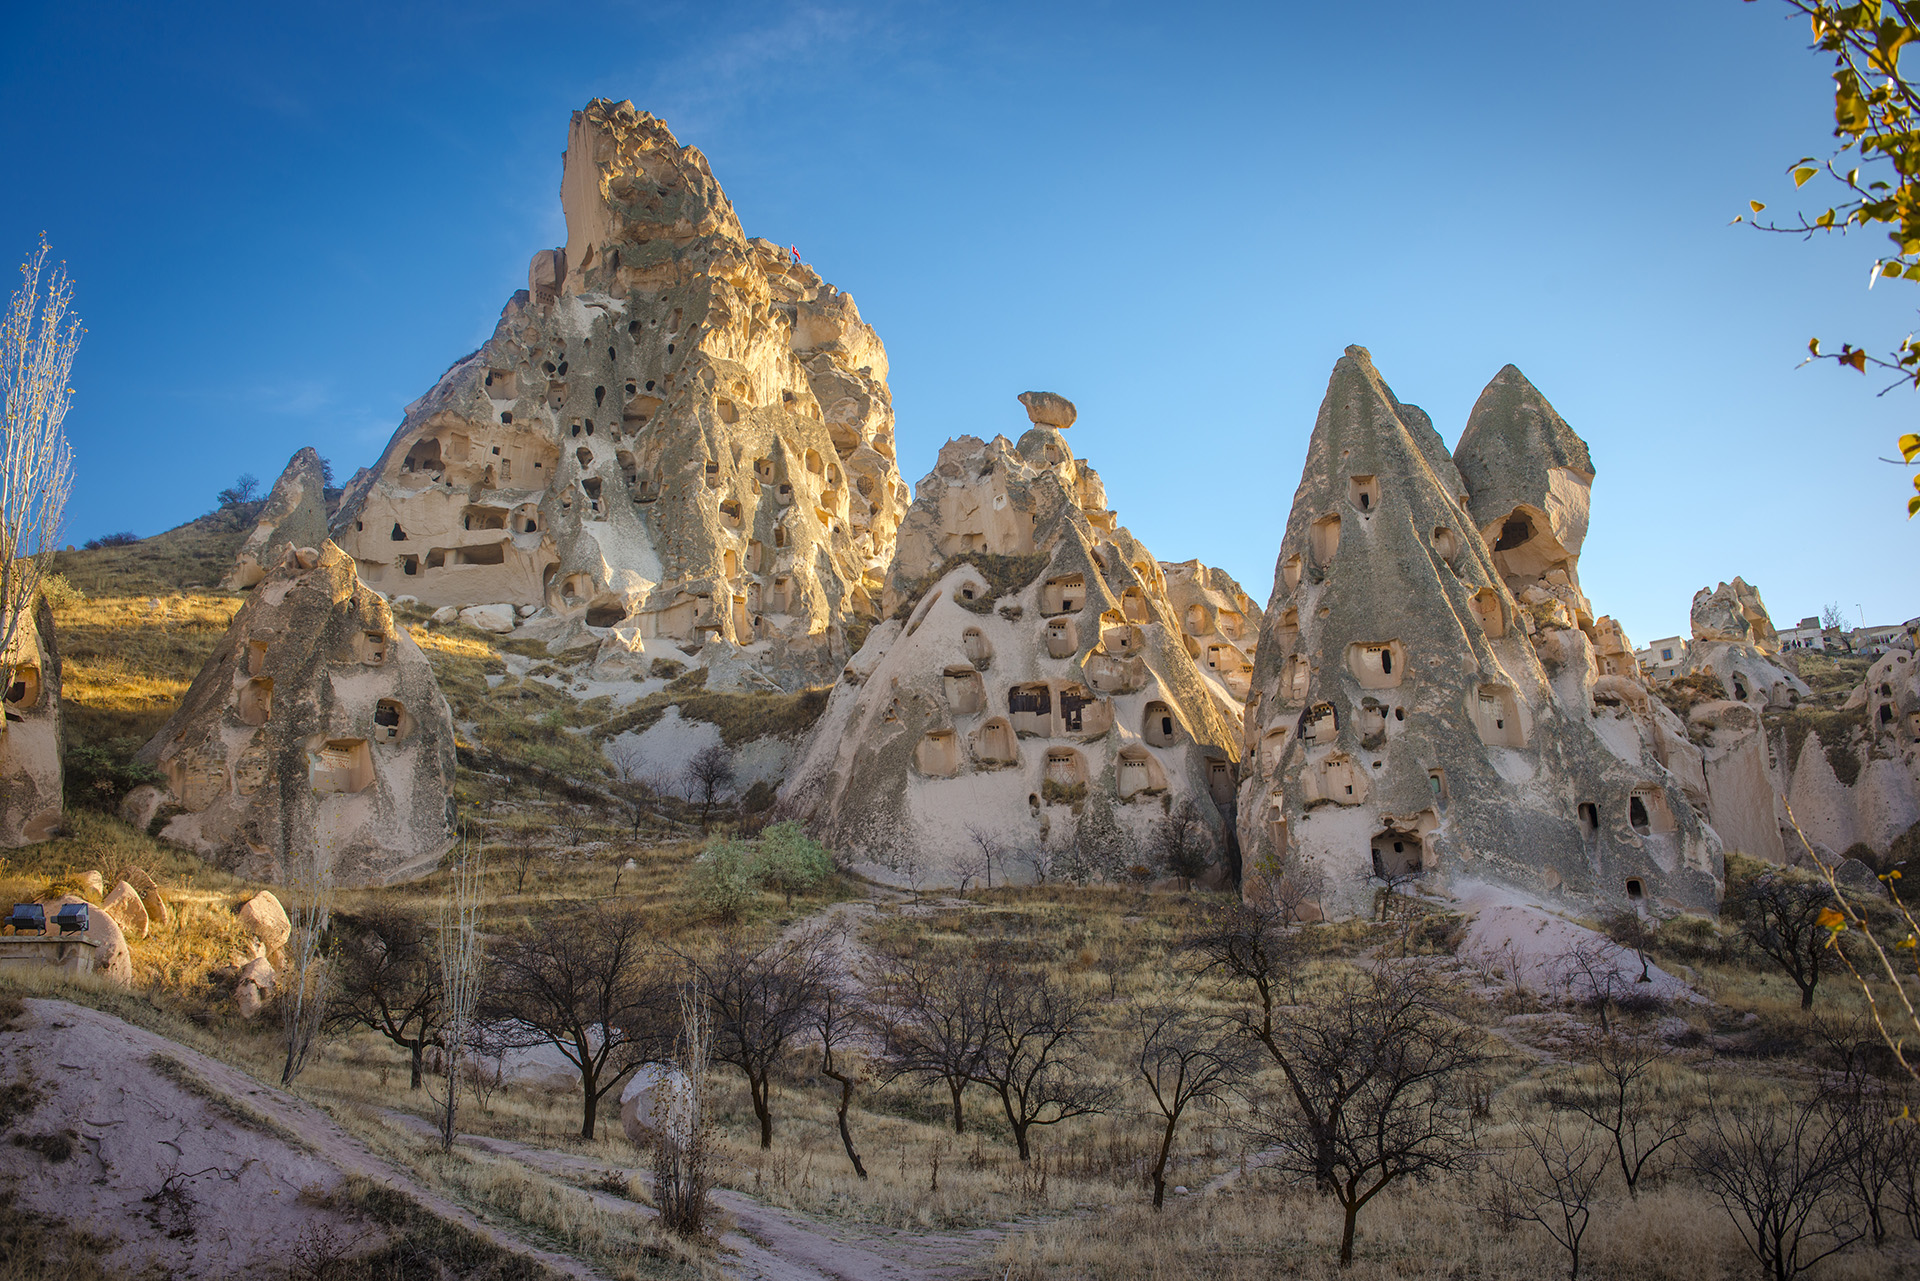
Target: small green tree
(721, 880)
(785, 859)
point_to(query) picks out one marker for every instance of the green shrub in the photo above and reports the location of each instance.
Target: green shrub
(788, 861)
(722, 878)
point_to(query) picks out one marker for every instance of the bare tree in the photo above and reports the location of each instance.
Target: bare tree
(388, 980)
(1587, 976)
(1779, 1171)
(1549, 1178)
(1033, 1056)
(709, 773)
(759, 1001)
(1182, 842)
(37, 346)
(1869, 1121)
(1624, 1091)
(517, 843)
(682, 1149)
(839, 1021)
(306, 982)
(574, 821)
(1183, 1058)
(633, 785)
(1779, 914)
(581, 983)
(928, 1016)
(1833, 618)
(461, 961)
(1384, 1067)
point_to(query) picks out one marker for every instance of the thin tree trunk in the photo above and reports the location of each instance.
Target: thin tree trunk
(846, 1135)
(955, 1085)
(591, 1108)
(1160, 1166)
(419, 1049)
(757, 1087)
(1346, 1234)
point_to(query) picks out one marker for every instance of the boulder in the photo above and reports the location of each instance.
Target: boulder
(111, 957)
(266, 920)
(445, 614)
(657, 1102)
(1857, 879)
(489, 618)
(95, 882)
(1048, 409)
(124, 905)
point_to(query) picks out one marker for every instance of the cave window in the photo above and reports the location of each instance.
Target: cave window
(1590, 815)
(1886, 713)
(399, 535)
(1437, 784)
(1637, 815)
(1514, 533)
(1634, 889)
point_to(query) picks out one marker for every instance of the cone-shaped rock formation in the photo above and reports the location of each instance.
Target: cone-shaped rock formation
(294, 515)
(32, 744)
(1410, 715)
(316, 725)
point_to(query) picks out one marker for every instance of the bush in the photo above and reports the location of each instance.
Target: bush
(722, 879)
(102, 775)
(125, 538)
(788, 861)
(59, 592)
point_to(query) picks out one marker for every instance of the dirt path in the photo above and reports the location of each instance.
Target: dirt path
(771, 1244)
(192, 1163)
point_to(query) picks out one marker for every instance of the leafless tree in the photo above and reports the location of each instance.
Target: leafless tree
(1623, 1089)
(683, 1172)
(632, 783)
(582, 983)
(1183, 1058)
(1549, 1178)
(1391, 886)
(839, 1021)
(1878, 1142)
(1033, 1056)
(518, 845)
(977, 860)
(1779, 1171)
(1779, 914)
(1631, 931)
(1378, 1082)
(928, 1016)
(306, 982)
(1182, 843)
(1587, 976)
(574, 821)
(461, 963)
(760, 1000)
(37, 345)
(709, 773)
(388, 979)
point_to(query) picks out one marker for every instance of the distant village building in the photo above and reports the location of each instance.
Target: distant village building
(1663, 659)
(1808, 635)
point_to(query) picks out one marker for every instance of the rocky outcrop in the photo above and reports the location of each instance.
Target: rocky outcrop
(266, 920)
(1427, 696)
(1033, 704)
(32, 742)
(294, 515)
(112, 958)
(677, 437)
(1734, 640)
(315, 726)
(125, 907)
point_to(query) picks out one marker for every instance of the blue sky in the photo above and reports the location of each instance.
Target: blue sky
(283, 227)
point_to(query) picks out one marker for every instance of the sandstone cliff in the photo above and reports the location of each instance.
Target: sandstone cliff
(32, 745)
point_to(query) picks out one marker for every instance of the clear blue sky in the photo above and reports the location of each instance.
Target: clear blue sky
(286, 221)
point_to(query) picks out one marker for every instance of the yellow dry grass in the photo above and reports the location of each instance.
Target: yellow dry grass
(126, 661)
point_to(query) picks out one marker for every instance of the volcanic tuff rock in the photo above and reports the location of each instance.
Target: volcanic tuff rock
(676, 436)
(1426, 703)
(294, 515)
(1033, 696)
(1733, 638)
(1863, 787)
(316, 725)
(32, 740)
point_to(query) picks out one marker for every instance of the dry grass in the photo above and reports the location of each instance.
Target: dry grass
(196, 554)
(127, 660)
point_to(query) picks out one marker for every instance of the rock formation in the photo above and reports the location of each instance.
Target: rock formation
(316, 725)
(1852, 777)
(1428, 696)
(1033, 701)
(676, 436)
(32, 744)
(1734, 640)
(294, 515)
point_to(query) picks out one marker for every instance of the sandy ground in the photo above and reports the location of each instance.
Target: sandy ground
(222, 1186)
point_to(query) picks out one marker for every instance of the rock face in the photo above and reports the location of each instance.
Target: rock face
(1033, 698)
(316, 725)
(32, 743)
(676, 437)
(1428, 696)
(1863, 786)
(294, 515)
(1734, 639)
